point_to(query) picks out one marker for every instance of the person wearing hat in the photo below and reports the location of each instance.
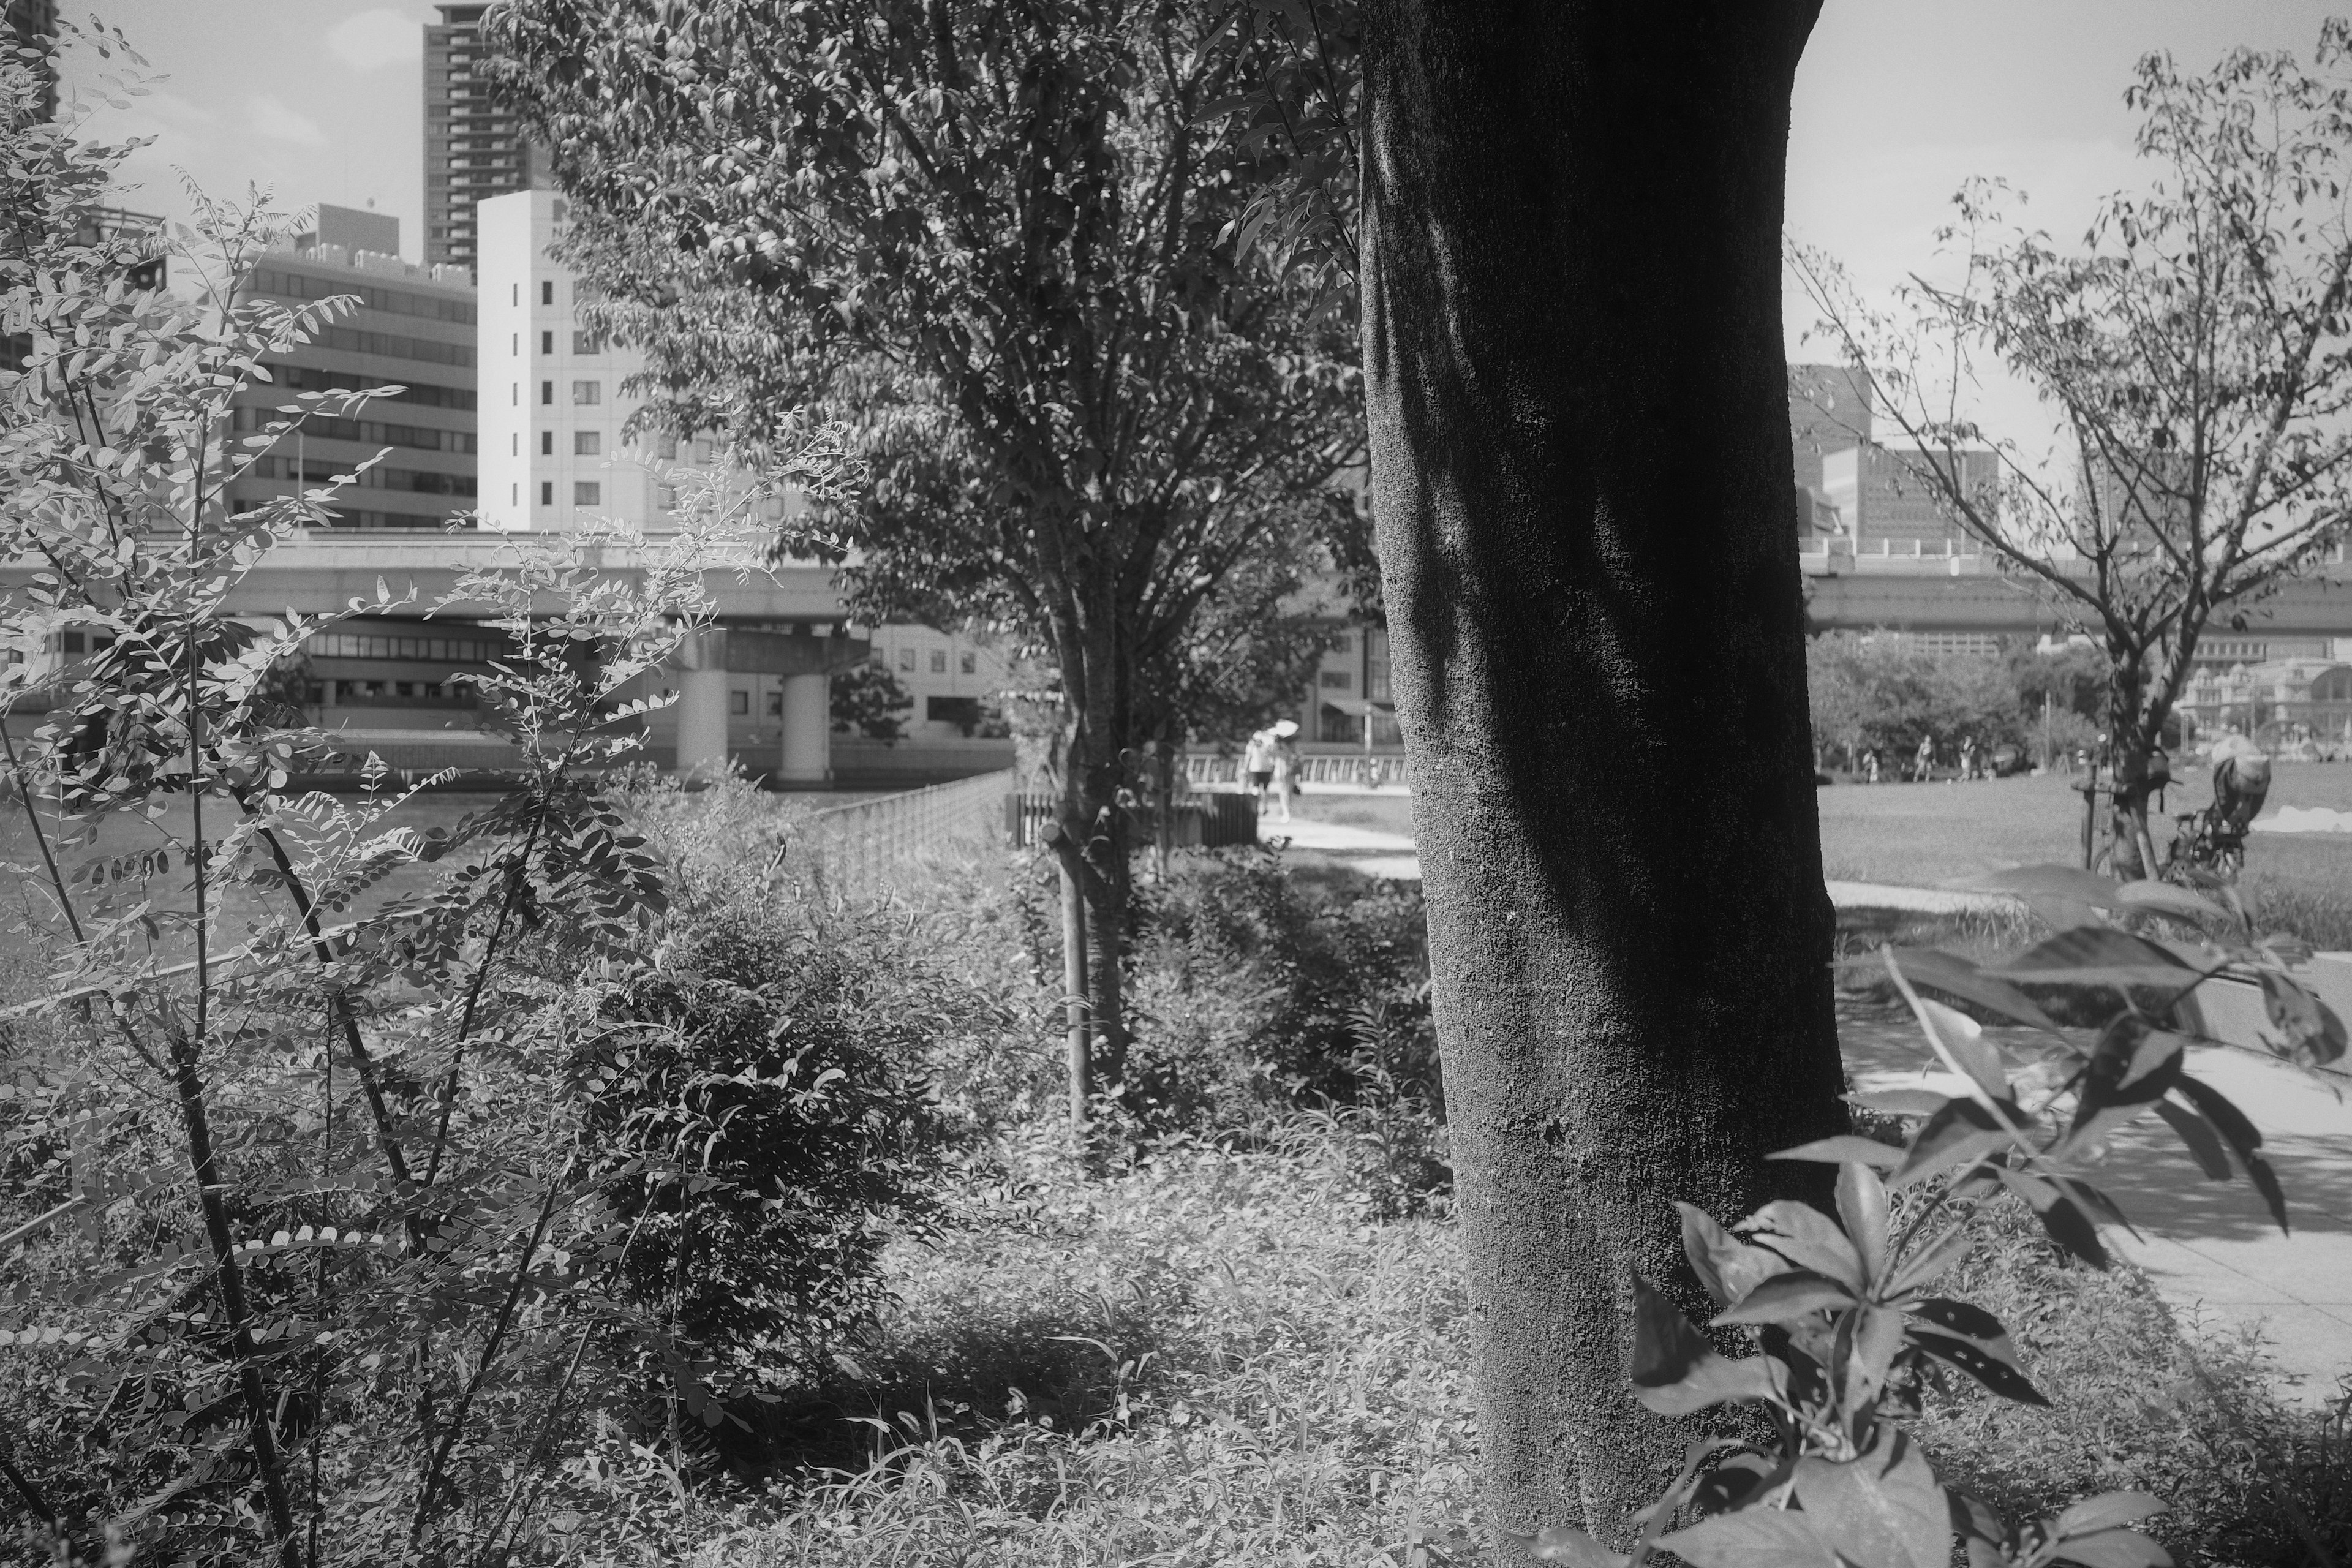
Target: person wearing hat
(1264, 756)
(1285, 763)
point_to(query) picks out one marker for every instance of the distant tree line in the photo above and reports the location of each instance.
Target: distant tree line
(1887, 692)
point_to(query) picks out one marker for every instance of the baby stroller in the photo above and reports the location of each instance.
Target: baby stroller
(2213, 840)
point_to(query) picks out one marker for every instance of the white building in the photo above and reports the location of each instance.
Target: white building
(552, 457)
(552, 408)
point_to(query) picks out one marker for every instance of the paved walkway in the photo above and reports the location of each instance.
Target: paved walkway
(2209, 1247)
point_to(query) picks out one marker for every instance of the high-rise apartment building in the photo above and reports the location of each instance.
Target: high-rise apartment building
(474, 148)
(28, 20)
(413, 329)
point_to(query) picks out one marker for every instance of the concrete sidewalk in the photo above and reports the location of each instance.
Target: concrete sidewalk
(2210, 1249)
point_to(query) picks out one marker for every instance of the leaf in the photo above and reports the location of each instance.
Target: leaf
(2065, 1224)
(1964, 1037)
(2243, 1141)
(1861, 1209)
(2198, 1133)
(1675, 1371)
(1728, 1267)
(2163, 898)
(1926, 1267)
(1735, 1482)
(1845, 1148)
(1961, 1133)
(2096, 956)
(2002, 1377)
(2108, 1510)
(2133, 1065)
(1808, 1238)
(2052, 881)
(2314, 1034)
(1881, 1510)
(1899, 1103)
(1752, 1538)
(1566, 1543)
(1955, 976)
(1786, 1299)
(2115, 1549)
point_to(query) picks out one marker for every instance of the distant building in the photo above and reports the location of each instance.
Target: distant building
(2279, 700)
(415, 328)
(1885, 507)
(474, 148)
(552, 453)
(1829, 411)
(554, 458)
(29, 20)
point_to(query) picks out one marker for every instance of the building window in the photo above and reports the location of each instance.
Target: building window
(587, 492)
(969, 663)
(939, 661)
(547, 443)
(666, 449)
(547, 394)
(739, 703)
(587, 443)
(1337, 680)
(547, 293)
(547, 492)
(518, 394)
(665, 497)
(547, 343)
(587, 391)
(514, 342)
(906, 659)
(514, 495)
(586, 343)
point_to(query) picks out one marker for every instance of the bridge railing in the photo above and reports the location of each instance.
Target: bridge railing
(865, 847)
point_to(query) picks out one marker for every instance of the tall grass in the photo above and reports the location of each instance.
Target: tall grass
(1210, 1358)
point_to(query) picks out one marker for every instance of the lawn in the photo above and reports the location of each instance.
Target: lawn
(1925, 835)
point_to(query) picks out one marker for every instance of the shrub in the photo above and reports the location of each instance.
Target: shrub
(1254, 996)
(770, 1078)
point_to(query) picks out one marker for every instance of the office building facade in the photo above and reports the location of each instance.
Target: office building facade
(413, 329)
(1886, 506)
(474, 147)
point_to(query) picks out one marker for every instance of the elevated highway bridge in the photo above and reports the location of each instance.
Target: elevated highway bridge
(1968, 595)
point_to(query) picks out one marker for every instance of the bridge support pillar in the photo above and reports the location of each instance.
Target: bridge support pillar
(702, 721)
(807, 741)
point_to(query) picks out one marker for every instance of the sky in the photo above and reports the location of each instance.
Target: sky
(1897, 102)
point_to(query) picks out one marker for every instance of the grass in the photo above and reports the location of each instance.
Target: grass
(1925, 835)
(1214, 1358)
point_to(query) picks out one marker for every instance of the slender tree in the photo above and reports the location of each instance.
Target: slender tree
(2195, 354)
(997, 230)
(1581, 468)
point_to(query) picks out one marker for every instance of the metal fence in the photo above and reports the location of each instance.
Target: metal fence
(1201, 822)
(862, 846)
(1374, 771)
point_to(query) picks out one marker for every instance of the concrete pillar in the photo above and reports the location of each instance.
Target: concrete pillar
(702, 721)
(807, 740)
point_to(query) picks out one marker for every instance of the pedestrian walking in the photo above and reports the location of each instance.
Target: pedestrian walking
(1257, 764)
(1925, 762)
(1285, 763)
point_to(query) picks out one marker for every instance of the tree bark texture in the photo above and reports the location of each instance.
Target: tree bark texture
(1581, 461)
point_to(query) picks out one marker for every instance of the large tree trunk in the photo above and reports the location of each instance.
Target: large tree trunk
(1581, 452)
